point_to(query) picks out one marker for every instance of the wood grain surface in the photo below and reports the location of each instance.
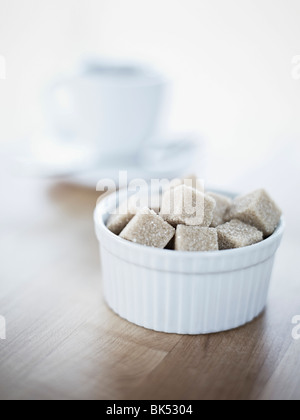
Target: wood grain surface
(64, 343)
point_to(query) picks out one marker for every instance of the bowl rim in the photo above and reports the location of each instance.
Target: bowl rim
(101, 211)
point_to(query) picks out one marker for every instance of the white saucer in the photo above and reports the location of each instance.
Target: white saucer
(76, 165)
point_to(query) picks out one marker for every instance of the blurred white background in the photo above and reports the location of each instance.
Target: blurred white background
(230, 62)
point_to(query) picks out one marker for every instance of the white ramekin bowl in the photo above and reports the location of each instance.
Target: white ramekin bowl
(183, 292)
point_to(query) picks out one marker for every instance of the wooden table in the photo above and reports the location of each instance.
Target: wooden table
(64, 343)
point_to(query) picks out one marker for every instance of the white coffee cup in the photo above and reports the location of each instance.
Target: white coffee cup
(110, 107)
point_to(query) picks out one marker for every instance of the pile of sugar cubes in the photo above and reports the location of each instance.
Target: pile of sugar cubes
(188, 219)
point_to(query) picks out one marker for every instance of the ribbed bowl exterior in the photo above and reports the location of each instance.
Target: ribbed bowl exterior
(180, 292)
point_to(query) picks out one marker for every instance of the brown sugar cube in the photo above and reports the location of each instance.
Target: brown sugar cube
(222, 205)
(147, 228)
(195, 238)
(256, 209)
(117, 222)
(187, 206)
(126, 211)
(236, 234)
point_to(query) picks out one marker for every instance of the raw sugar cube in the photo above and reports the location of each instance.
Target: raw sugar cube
(117, 222)
(236, 234)
(222, 205)
(127, 210)
(256, 209)
(147, 228)
(187, 206)
(195, 238)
